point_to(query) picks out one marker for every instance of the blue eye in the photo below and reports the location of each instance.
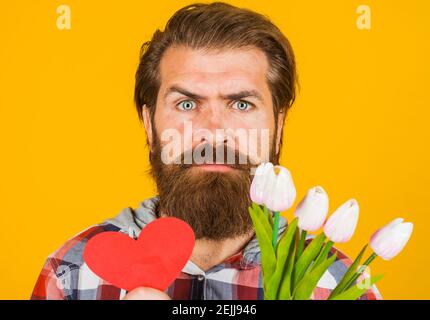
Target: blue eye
(186, 105)
(242, 105)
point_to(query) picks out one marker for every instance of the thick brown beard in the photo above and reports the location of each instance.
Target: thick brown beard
(214, 204)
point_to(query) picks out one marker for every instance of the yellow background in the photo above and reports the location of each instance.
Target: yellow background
(73, 152)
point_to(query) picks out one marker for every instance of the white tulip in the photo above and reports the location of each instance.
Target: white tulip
(389, 241)
(341, 225)
(264, 175)
(281, 194)
(312, 210)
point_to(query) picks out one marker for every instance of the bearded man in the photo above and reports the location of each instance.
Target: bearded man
(226, 71)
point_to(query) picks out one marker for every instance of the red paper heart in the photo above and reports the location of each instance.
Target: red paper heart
(154, 260)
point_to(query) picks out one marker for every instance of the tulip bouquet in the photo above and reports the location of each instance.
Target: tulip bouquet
(291, 267)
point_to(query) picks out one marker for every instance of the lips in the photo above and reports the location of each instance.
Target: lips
(215, 167)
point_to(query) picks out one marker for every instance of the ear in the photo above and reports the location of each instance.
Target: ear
(281, 118)
(148, 125)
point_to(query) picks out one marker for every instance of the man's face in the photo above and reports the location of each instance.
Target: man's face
(219, 100)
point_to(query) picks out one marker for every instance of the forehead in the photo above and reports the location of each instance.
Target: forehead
(214, 71)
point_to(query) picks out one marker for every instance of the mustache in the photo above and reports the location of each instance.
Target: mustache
(209, 154)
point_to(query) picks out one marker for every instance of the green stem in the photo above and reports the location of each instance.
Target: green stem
(275, 230)
(360, 270)
(301, 243)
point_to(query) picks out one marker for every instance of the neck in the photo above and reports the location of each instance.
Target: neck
(209, 253)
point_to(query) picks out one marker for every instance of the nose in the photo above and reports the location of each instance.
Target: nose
(212, 126)
(216, 138)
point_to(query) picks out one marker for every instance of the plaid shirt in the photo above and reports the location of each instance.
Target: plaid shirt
(66, 276)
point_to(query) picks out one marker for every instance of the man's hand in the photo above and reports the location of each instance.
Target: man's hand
(146, 293)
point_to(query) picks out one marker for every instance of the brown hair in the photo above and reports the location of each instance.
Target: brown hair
(218, 25)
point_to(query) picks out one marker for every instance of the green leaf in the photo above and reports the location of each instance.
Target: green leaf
(355, 292)
(263, 219)
(306, 286)
(297, 241)
(323, 254)
(269, 215)
(348, 274)
(308, 255)
(282, 252)
(268, 258)
(296, 257)
(285, 286)
(302, 241)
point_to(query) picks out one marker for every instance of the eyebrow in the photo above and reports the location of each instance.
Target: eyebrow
(232, 96)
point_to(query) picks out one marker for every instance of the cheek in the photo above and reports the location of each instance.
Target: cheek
(259, 130)
(165, 119)
(169, 131)
(260, 122)
(259, 145)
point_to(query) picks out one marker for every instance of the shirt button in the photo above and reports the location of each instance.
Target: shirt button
(200, 277)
